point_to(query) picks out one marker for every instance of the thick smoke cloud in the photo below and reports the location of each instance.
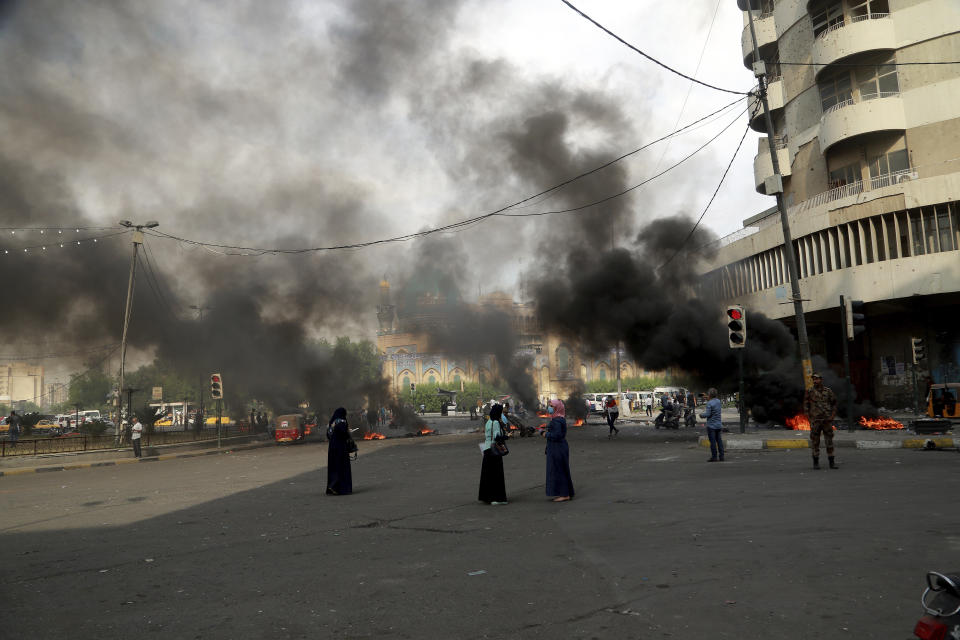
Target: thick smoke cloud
(240, 125)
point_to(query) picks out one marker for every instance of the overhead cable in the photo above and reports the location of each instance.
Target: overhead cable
(713, 197)
(647, 56)
(455, 226)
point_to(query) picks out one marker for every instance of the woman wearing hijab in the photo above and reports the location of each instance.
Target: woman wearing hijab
(339, 479)
(493, 489)
(559, 482)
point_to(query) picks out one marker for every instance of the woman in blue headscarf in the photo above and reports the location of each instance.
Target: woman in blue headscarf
(559, 482)
(339, 478)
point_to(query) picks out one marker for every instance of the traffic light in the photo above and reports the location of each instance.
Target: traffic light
(919, 350)
(854, 313)
(737, 325)
(216, 386)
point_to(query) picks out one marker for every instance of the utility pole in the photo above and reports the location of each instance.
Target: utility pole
(760, 71)
(137, 241)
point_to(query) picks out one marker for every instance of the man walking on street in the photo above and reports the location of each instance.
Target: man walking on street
(135, 437)
(13, 425)
(820, 405)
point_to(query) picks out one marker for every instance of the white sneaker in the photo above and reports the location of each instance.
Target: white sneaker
(498, 503)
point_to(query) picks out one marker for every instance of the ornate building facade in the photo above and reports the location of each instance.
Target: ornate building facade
(557, 364)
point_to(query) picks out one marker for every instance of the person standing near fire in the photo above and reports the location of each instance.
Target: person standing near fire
(820, 406)
(612, 412)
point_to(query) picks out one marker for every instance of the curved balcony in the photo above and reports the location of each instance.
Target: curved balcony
(763, 166)
(766, 34)
(856, 118)
(860, 34)
(774, 101)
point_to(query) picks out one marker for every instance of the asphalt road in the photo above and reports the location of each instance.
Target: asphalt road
(656, 544)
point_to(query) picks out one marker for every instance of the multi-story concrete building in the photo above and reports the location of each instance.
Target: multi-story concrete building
(21, 382)
(867, 133)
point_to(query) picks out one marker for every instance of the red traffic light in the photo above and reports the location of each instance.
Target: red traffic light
(735, 314)
(214, 378)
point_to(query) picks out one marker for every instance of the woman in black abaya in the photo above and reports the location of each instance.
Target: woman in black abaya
(493, 488)
(339, 478)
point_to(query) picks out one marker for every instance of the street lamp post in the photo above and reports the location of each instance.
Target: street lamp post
(137, 241)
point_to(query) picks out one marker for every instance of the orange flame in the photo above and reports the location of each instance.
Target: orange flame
(425, 432)
(374, 436)
(543, 414)
(542, 426)
(798, 422)
(578, 422)
(880, 424)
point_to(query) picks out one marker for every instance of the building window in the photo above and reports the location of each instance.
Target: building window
(845, 175)
(885, 168)
(879, 81)
(916, 233)
(889, 221)
(825, 15)
(943, 228)
(903, 220)
(930, 230)
(865, 9)
(563, 358)
(835, 90)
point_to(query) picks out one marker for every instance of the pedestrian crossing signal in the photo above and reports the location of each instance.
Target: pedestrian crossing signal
(216, 386)
(737, 326)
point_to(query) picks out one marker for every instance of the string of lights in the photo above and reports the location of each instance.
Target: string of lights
(62, 243)
(235, 250)
(59, 230)
(646, 55)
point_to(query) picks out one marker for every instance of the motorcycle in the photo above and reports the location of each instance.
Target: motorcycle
(669, 417)
(941, 602)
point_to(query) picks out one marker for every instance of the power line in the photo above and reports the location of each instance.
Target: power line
(713, 197)
(637, 186)
(647, 56)
(59, 230)
(455, 226)
(63, 243)
(860, 64)
(58, 355)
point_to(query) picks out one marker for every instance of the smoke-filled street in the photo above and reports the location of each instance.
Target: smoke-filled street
(656, 544)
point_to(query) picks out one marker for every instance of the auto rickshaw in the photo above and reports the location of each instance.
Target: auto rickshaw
(942, 400)
(290, 427)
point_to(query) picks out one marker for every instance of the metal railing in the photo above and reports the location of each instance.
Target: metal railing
(893, 178)
(840, 25)
(863, 98)
(75, 443)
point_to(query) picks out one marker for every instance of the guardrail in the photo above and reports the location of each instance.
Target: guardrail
(84, 442)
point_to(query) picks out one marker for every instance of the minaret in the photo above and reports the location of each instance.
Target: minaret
(385, 310)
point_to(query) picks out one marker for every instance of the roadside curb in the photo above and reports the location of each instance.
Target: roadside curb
(157, 458)
(788, 444)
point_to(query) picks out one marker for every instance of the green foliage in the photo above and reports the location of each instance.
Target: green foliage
(644, 383)
(93, 428)
(426, 394)
(90, 389)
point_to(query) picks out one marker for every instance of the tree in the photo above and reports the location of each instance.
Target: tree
(90, 389)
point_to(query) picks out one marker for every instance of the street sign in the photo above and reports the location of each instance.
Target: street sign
(157, 393)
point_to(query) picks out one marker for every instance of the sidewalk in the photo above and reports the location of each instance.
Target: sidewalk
(17, 465)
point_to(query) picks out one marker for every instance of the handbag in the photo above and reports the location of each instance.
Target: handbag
(352, 448)
(499, 446)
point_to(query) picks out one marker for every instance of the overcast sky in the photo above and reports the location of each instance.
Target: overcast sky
(304, 124)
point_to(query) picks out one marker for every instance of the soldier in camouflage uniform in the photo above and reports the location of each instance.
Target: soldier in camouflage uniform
(820, 405)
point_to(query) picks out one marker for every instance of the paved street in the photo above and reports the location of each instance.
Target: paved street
(657, 544)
